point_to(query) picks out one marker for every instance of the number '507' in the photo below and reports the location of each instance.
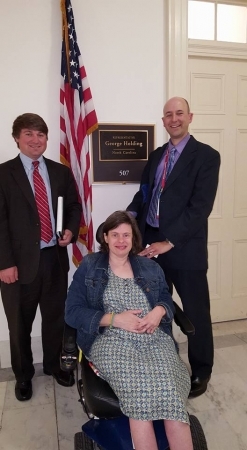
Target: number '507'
(123, 173)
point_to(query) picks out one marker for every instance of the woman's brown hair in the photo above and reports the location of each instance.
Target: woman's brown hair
(113, 221)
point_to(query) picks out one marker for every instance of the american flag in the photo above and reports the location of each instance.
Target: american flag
(77, 121)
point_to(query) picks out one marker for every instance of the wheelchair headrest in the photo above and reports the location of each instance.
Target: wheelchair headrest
(99, 233)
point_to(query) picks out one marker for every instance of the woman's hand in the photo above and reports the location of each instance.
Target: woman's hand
(128, 320)
(151, 321)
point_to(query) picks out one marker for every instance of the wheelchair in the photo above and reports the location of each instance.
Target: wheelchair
(107, 427)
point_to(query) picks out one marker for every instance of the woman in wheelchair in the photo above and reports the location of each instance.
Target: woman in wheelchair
(120, 305)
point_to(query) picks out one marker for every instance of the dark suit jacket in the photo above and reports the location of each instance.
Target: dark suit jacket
(185, 203)
(19, 219)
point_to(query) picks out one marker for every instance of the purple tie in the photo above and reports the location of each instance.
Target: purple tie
(153, 208)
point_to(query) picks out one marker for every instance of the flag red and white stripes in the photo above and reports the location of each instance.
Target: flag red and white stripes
(77, 121)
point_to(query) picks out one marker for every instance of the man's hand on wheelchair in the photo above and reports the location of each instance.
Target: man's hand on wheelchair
(155, 249)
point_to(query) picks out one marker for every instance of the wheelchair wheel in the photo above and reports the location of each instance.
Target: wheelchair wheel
(83, 442)
(197, 433)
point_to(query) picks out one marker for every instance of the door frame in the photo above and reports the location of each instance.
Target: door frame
(179, 48)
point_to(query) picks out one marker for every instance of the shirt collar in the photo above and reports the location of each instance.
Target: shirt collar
(27, 162)
(180, 146)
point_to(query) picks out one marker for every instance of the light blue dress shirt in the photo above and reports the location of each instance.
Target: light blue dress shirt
(28, 166)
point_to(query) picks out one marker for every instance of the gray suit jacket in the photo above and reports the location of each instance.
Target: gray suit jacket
(19, 219)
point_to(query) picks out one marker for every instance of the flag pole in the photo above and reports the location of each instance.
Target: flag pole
(77, 120)
(65, 33)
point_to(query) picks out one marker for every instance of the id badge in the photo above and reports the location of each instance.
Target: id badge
(158, 208)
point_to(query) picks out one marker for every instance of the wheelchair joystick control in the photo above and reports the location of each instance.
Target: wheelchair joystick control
(69, 353)
(68, 362)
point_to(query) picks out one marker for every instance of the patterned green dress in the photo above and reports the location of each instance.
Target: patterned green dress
(144, 370)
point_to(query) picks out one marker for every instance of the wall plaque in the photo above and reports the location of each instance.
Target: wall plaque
(120, 152)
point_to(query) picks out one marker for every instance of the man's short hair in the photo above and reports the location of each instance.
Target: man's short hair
(30, 121)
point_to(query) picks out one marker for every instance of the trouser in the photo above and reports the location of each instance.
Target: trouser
(20, 301)
(192, 288)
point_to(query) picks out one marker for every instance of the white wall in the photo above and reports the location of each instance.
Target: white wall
(122, 45)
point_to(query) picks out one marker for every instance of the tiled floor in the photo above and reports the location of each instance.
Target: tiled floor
(51, 418)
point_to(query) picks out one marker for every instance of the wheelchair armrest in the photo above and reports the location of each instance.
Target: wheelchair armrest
(69, 353)
(182, 321)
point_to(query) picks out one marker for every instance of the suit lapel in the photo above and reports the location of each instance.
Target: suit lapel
(20, 176)
(21, 179)
(187, 155)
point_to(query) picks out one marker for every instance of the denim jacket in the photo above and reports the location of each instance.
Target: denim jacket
(84, 305)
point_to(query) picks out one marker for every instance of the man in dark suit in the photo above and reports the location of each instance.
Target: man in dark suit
(176, 195)
(34, 266)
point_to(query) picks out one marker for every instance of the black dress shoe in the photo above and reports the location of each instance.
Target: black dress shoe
(23, 390)
(198, 386)
(66, 379)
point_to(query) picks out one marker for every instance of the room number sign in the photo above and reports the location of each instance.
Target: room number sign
(120, 152)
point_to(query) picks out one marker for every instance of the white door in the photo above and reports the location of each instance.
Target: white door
(218, 99)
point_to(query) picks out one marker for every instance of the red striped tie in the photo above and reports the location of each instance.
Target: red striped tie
(42, 204)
